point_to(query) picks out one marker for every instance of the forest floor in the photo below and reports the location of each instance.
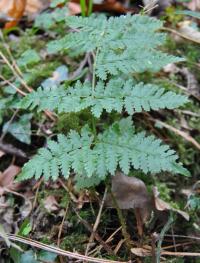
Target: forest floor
(37, 216)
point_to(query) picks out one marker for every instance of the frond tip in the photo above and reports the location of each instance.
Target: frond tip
(125, 44)
(118, 146)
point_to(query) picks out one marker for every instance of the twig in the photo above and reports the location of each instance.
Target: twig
(179, 245)
(37, 186)
(78, 71)
(85, 223)
(181, 133)
(13, 86)
(96, 222)
(180, 254)
(62, 223)
(173, 238)
(182, 236)
(179, 34)
(59, 251)
(96, 235)
(109, 239)
(71, 195)
(29, 89)
(8, 124)
(120, 243)
(15, 73)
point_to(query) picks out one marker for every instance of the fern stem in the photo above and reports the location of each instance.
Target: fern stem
(93, 74)
(94, 126)
(93, 88)
(121, 219)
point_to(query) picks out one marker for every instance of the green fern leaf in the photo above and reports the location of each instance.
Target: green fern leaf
(124, 44)
(116, 95)
(115, 146)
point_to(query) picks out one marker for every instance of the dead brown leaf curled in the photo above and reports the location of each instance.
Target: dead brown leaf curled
(193, 5)
(186, 29)
(7, 178)
(161, 205)
(141, 251)
(12, 11)
(51, 204)
(130, 192)
(2, 153)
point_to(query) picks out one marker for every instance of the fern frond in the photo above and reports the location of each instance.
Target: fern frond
(117, 146)
(116, 95)
(125, 44)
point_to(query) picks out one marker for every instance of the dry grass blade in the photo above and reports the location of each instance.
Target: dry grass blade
(181, 133)
(59, 251)
(96, 222)
(181, 35)
(180, 254)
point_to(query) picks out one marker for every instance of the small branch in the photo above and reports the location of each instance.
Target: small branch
(78, 71)
(96, 222)
(181, 133)
(181, 254)
(180, 34)
(61, 225)
(85, 223)
(13, 86)
(59, 251)
(96, 235)
(8, 124)
(29, 89)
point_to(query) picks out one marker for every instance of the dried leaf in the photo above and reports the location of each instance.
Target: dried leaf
(161, 205)
(20, 129)
(51, 204)
(130, 192)
(4, 236)
(74, 8)
(141, 252)
(59, 75)
(188, 31)
(7, 178)
(2, 153)
(193, 5)
(12, 10)
(36, 6)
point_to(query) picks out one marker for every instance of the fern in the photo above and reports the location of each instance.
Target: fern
(122, 45)
(116, 95)
(117, 146)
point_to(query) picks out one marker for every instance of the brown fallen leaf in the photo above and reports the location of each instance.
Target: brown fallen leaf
(7, 178)
(74, 8)
(141, 252)
(193, 5)
(161, 205)
(36, 6)
(2, 153)
(185, 29)
(131, 192)
(51, 204)
(12, 11)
